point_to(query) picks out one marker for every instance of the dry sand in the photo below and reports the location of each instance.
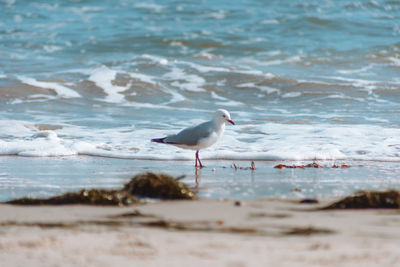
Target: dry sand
(198, 233)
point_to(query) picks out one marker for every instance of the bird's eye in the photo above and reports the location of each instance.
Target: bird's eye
(224, 116)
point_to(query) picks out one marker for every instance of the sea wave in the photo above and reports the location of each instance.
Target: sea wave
(261, 141)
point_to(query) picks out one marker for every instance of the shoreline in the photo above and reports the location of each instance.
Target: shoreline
(217, 231)
(44, 177)
(211, 159)
(226, 232)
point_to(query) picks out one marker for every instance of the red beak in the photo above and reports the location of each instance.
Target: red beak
(231, 121)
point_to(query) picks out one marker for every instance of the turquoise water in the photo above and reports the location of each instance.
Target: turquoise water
(72, 34)
(303, 80)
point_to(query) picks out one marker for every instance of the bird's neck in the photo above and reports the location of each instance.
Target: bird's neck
(219, 126)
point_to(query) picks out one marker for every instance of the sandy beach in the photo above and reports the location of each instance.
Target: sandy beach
(229, 225)
(263, 232)
(95, 93)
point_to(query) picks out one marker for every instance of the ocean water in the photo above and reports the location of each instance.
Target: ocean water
(303, 80)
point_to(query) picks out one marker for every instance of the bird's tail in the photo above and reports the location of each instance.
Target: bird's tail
(158, 140)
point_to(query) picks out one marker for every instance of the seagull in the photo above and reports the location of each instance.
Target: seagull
(201, 136)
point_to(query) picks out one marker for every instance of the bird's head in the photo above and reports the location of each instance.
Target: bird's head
(223, 116)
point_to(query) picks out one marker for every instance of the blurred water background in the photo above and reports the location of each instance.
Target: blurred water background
(303, 80)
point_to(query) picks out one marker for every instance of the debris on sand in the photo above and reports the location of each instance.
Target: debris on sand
(147, 184)
(311, 165)
(368, 200)
(161, 186)
(236, 167)
(86, 197)
(309, 201)
(307, 231)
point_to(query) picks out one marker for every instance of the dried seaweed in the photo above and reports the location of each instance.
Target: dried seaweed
(158, 186)
(147, 184)
(307, 231)
(368, 200)
(256, 215)
(309, 201)
(88, 197)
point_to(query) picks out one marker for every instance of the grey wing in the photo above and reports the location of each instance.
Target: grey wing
(191, 136)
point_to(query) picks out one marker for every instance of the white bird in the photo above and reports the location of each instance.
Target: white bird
(200, 136)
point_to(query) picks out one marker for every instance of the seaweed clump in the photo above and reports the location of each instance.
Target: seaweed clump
(307, 231)
(158, 186)
(88, 197)
(368, 200)
(147, 184)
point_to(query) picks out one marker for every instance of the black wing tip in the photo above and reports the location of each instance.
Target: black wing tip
(158, 140)
(162, 141)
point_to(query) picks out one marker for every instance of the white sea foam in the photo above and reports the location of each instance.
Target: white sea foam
(343, 96)
(206, 55)
(270, 21)
(103, 78)
(46, 6)
(220, 14)
(363, 69)
(376, 119)
(176, 97)
(155, 7)
(248, 85)
(185, 81)
(246, 141)
(264, 89)
(218, 97)
(60, 90)
(37, 146)
(189, 86)
(268, 90)
(33, 99)
(204, 69)
(366, 85)
(52, 48)
(143, 77)
(291, 94)
(85, 9)
(163, 61)
(395, 61)
(155, 59)
(15, 128)
(273, 61)
(225, 101)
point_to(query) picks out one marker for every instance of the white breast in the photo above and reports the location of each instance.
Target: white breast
(212, 139)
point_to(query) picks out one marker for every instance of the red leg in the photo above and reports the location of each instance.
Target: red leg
(198, 159)
(201, 165)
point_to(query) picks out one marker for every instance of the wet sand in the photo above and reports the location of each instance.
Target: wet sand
(263, 232)
(230, 225)
(47, 176)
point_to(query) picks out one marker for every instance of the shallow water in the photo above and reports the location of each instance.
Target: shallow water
(303, 80)
(44, 177)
